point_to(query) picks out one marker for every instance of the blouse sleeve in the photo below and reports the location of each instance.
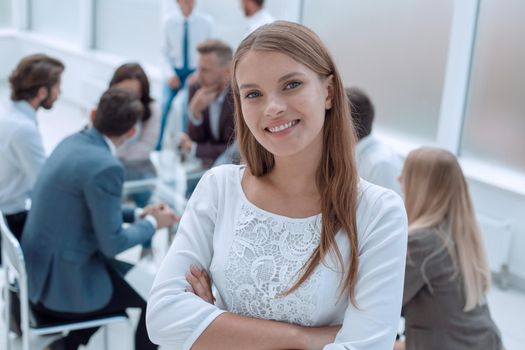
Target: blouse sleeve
(379, 289)
(176, 318)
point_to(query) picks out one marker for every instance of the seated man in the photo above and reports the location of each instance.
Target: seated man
(74, 227)
(376, 162)
(35, 83)
(210, 127)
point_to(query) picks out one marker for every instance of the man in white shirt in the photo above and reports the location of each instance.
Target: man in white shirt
(182, 33)
(256, 13)
(35, 83)
(211, 125)
(376, 162)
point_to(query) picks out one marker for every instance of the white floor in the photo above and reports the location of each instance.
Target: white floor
(508, 307)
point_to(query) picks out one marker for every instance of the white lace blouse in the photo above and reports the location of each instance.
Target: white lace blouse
(254, 255)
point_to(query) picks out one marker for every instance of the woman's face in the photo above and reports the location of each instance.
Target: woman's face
(283, 102)
(132, 85)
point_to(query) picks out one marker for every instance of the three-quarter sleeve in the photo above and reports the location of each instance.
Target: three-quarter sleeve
(176, 318)
(382, 251)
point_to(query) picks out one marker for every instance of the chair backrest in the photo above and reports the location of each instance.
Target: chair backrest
(14, 265)
(12, 254)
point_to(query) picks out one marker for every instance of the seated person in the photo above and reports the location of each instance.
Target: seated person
(210, 127)
(135, 152)
(376, 162)
(35, 83)
(74, 227)
(447, 275)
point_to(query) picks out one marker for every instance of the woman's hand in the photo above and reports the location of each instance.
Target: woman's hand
(200, 284)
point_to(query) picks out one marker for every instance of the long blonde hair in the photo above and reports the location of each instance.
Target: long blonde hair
(437, 197)
(336, 177)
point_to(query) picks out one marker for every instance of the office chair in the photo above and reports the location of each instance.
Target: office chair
(31, 321)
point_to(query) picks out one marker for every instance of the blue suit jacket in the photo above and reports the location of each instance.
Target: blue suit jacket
(75, 223)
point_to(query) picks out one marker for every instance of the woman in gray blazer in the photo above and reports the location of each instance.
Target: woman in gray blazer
(447, 274)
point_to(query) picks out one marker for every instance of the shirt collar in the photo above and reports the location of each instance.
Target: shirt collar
(26, 109)
(110, 144)
(364, 143)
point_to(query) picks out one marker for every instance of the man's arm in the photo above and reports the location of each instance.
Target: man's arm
(103, 196)
(29, 150)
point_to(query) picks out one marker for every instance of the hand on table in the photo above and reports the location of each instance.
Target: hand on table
(164, 215)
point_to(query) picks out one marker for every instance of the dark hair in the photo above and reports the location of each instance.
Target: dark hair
(362, 110)
(32, 73)
(135, 71)
(259, 3)
(222, 50)
(117, 112)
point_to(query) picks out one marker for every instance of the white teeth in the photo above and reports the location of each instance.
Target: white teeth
(283, 127)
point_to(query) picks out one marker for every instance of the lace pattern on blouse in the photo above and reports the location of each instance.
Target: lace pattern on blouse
(264, 260)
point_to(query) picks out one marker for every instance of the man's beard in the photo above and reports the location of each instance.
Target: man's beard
(48, 102)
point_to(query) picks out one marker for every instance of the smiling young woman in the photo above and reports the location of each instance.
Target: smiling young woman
(302, 253)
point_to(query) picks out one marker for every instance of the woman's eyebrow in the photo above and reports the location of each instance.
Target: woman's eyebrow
(248, 86)
(288, 76)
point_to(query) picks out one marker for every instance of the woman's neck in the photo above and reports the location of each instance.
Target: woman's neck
(296, 175)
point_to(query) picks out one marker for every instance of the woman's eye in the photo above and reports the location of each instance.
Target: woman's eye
(252, 94)
(293, 84)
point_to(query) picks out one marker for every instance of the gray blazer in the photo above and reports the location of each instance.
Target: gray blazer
(434, 299)
(75, 224)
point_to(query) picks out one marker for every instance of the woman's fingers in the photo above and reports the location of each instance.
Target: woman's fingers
(200, 283)
(209, 282)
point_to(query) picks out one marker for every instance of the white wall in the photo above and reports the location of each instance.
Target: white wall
(87, 73)
(504, 206)
(396, 51)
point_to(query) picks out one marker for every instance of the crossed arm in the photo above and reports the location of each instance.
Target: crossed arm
(230, 331)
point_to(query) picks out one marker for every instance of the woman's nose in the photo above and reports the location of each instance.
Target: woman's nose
(275, 106)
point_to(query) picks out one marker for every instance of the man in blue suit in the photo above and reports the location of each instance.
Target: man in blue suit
(74, 227)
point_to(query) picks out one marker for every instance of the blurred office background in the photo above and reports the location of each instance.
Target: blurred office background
(444, 73)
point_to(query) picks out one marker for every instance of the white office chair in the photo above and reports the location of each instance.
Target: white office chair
(31, 322)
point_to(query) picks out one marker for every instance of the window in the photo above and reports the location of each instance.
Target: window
(129, 28)
(5, 13)
(495, 116)
(57, 18)
(396, 51)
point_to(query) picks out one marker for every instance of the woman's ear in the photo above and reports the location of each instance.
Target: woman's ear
(329, 84)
